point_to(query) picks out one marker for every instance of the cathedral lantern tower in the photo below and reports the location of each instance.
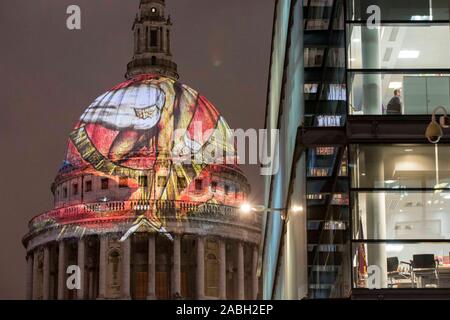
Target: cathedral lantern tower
(152, 47)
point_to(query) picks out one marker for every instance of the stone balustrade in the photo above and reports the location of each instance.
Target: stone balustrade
(161, 209)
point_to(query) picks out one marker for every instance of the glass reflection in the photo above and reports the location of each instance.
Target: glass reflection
(375, 93)
(400, 166)
(401, 215)
(423, 46)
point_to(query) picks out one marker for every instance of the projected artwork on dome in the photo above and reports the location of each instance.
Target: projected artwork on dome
(130, 131)
(149, 130)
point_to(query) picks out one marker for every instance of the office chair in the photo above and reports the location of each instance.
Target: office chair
(393, 272)
(424, 261)
(422, 264)
(392, 264)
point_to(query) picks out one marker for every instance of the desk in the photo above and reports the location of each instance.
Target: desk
(444, 276)
(400, 280)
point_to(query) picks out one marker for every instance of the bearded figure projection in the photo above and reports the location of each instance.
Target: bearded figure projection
(135, 112)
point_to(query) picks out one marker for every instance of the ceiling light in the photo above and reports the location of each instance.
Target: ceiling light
(395, 85)
(390, 181)
(394, 247)
(363, 174)
(421, 18)
(409, 150)
(409, 54)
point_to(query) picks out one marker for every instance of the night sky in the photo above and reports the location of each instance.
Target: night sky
(49, 75)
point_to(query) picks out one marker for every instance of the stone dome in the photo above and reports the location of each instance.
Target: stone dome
(146, 117)
(158, 134)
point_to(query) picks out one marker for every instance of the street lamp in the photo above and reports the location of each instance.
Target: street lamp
(247, 208)
(434, 131)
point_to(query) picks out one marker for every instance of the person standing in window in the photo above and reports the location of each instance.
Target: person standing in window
(395, 105)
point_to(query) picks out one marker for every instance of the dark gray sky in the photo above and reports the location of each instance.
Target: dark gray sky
(49, 75)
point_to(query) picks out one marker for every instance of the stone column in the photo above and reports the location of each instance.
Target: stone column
(81, 263)
(222, 269)
(35, 274)
(151, 290)
(164, 39)
(176, 268)
(254, 273)
(91, 285)
(126, 256)
(240, 271)
(168, 44)
(29, 288)
(46, 274)
(136, 41)
(141, 44)
(61, 270)
(102, 268)
(200, 268)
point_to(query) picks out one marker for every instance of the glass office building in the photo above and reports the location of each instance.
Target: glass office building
(352, 100)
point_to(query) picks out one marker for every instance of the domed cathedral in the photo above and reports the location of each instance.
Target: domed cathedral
(146, 201)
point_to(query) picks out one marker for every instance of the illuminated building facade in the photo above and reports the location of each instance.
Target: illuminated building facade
(139, 206)
(352, 101)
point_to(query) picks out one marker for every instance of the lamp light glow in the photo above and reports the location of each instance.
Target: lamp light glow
(296, 209)
(246, 208)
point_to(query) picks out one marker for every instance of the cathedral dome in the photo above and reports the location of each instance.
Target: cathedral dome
(157, 133)
(143, 119)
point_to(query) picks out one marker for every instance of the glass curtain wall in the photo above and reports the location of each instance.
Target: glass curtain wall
(400, 199)
(399, 66)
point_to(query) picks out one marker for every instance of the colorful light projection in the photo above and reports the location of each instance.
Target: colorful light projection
(130, 132)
